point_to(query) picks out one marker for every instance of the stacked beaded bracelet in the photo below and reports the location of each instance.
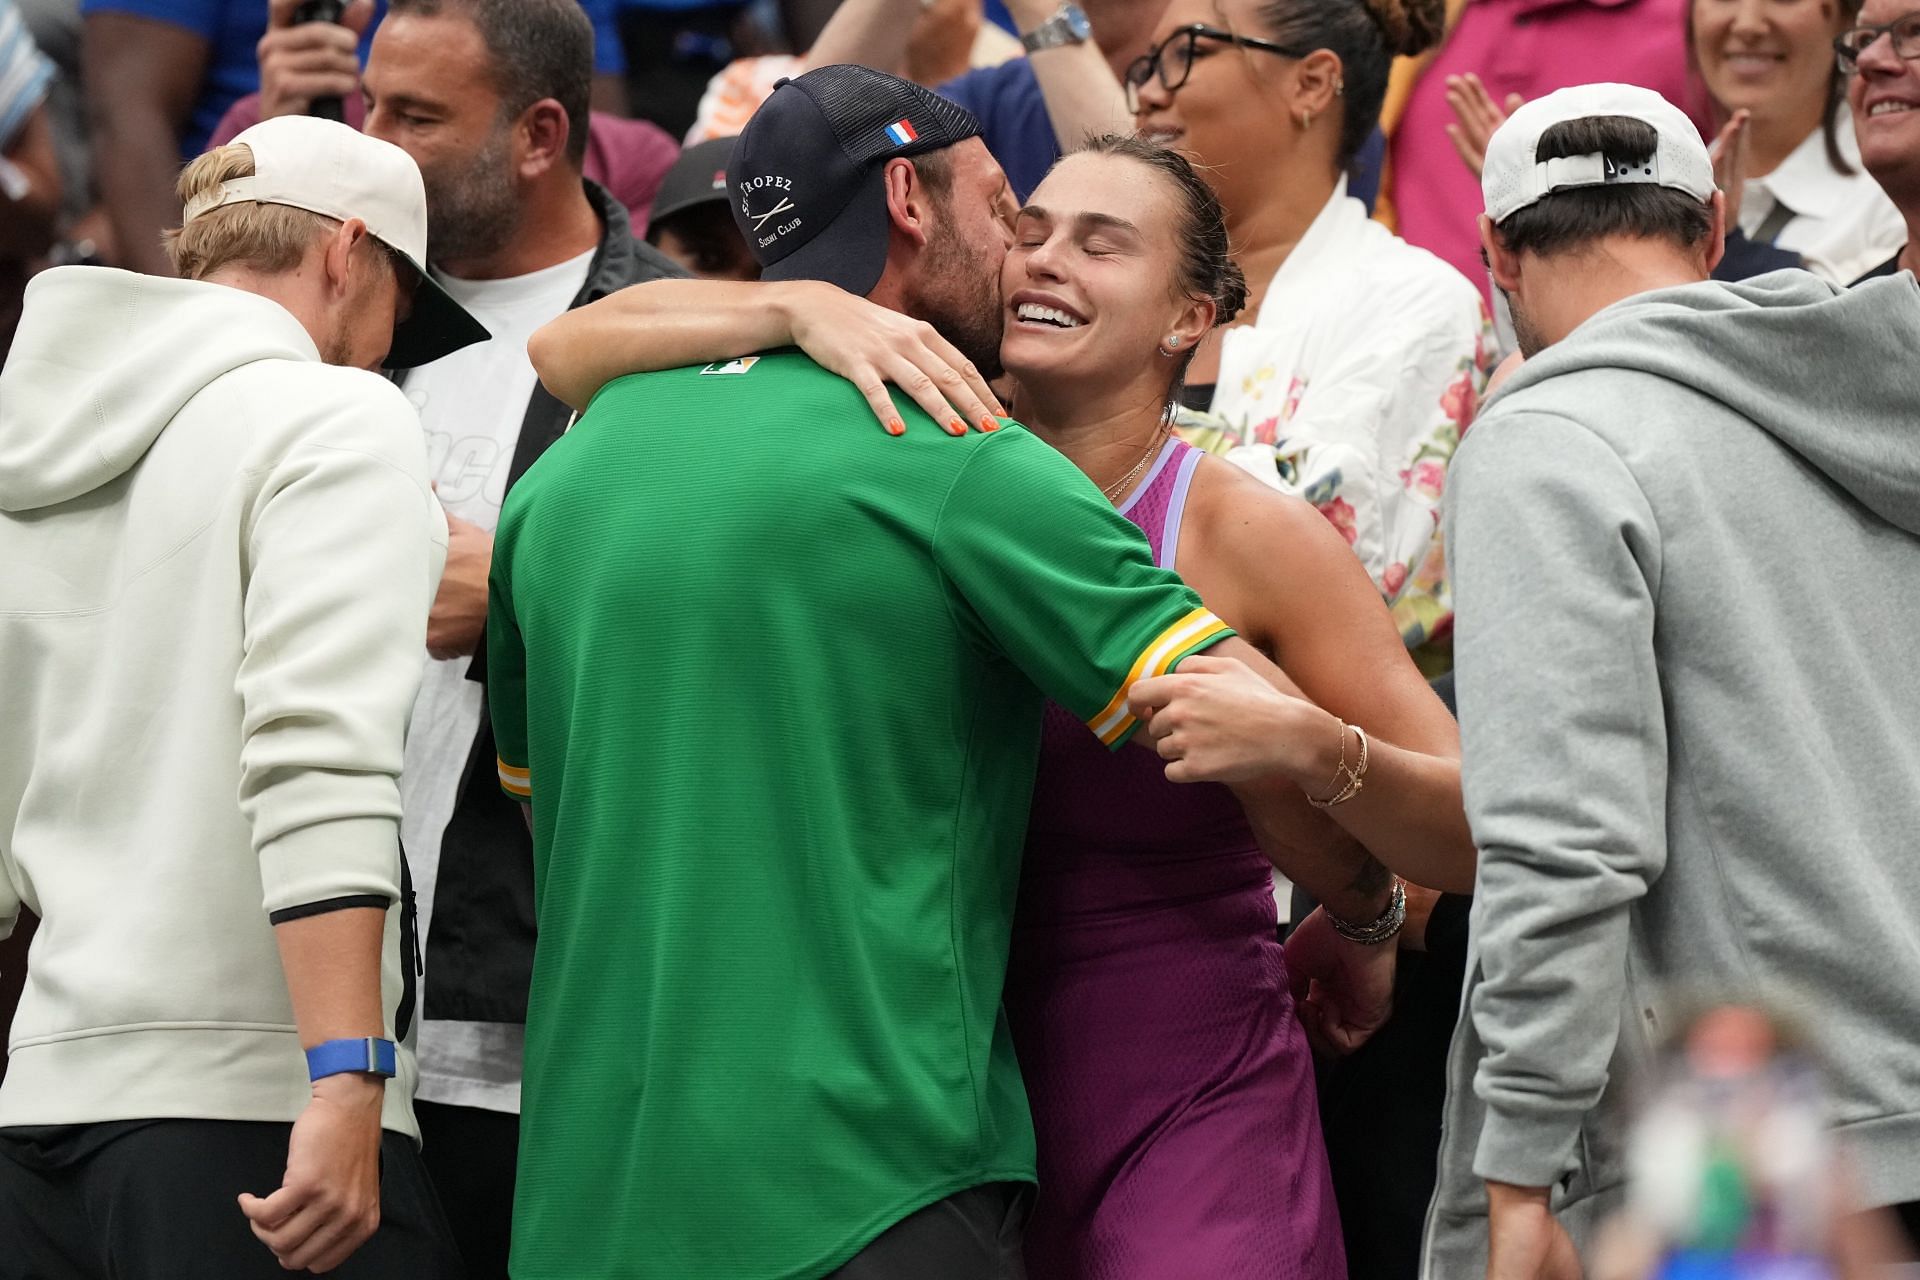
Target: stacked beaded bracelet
(1349, 781)
(1383, 928)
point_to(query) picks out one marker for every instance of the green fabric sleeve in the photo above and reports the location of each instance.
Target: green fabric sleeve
(1063, 584)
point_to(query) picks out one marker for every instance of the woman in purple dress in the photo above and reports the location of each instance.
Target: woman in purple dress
(1150, 1003)
(1171, 1083)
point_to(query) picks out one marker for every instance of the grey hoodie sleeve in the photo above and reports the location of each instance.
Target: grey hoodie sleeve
(1556, 566)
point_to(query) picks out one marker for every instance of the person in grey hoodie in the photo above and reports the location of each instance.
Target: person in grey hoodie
(1683, 536)
(217, 552)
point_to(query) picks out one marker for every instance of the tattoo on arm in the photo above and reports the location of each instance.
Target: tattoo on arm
(1372, 879)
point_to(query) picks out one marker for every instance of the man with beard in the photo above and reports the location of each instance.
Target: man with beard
(1686, 694)
(777, 731)
(490, 99)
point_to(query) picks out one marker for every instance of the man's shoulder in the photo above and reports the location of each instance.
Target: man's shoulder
(783, 387)
(623, 258)
(290, 404)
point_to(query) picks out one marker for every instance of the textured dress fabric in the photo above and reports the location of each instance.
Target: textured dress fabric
(1171, 1085)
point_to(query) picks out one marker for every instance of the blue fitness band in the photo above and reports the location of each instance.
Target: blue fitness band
(372, 1055)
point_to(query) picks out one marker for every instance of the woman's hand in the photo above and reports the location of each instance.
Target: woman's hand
(872, 347)
(1476, 116)
(1215, 720)
(1729, 152)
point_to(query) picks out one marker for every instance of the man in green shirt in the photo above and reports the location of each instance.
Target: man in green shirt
(773, 694)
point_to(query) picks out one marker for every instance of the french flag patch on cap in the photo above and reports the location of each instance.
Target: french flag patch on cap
(902, 132)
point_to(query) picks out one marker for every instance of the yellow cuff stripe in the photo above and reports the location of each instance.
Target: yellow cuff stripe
(1114, 720)
(516, 781)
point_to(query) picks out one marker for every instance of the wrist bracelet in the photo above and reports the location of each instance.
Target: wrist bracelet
(1355, 777)
(370, 1055)
(1382, 928)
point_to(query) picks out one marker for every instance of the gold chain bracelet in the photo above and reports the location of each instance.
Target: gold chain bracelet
(1355, 778)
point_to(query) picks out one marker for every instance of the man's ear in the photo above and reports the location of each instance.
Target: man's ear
(1502, 262)
(1717, 236)
(337, 259)
(540, 139)
(909, 202)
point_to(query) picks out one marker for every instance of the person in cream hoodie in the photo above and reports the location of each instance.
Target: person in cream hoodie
(217, 551)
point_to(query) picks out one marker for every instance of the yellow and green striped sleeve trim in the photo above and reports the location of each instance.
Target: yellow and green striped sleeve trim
(1194, 631)
(517, 782)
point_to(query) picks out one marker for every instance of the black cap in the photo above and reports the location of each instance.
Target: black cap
(807, 173)
(698, 177)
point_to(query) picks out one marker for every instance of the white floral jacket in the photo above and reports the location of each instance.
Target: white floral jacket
(1351, 389)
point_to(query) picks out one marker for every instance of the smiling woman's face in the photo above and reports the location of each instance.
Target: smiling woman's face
(1089, 283)
(1766, 54)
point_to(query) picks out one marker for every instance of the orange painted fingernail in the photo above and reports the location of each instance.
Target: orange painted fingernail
(988, 424)
(956, 428)
(895, 427)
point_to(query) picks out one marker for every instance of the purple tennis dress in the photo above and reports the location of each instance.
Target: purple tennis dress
(1172, 1087)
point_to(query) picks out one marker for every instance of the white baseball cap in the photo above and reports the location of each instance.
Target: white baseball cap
(1511, 178)
(327, 168)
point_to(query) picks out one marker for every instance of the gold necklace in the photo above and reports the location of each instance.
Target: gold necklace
(1119, 486)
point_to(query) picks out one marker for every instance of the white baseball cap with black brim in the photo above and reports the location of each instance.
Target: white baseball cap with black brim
(327, 168)
(1513, 177)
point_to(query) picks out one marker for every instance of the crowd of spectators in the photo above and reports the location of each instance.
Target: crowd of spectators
(1379, 297)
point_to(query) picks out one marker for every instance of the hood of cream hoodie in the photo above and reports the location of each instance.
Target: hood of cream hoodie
(110, 359)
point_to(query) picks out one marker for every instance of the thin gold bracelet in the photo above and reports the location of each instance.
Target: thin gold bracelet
(1340, 770)
(1356, 776)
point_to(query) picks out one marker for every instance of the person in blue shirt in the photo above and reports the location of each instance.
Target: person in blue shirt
(1065, 89)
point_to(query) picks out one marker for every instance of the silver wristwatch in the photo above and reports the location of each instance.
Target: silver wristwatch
(1068, 25)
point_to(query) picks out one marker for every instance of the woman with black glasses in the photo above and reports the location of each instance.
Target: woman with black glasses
(1359, 358)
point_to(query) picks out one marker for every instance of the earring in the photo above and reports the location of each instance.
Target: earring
(1173, 342)
(1306, 119)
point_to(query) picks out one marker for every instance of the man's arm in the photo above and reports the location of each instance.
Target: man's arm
(142, 78)
(868, 33)
(1083, 93)
(1556, 563)
(328, 1203)
(341, 553)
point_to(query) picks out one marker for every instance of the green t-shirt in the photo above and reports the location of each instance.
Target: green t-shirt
(773, 683)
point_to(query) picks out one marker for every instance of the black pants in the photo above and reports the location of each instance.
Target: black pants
(470, 1155)
(158, 1200)
(974, 1234)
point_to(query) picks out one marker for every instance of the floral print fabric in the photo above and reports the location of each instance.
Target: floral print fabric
(1352, 390)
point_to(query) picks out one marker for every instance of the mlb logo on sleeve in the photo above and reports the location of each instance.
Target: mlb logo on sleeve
(902, 132)
(741, 365)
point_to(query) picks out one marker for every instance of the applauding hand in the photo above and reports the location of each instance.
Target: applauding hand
(1476, 115)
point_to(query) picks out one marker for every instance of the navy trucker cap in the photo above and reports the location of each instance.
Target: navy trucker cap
(806, 179)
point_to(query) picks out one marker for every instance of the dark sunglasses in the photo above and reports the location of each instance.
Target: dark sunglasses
(1172, 59)
(1905, 30)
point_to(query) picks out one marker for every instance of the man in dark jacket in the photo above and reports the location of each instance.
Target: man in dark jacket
(490, 98)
